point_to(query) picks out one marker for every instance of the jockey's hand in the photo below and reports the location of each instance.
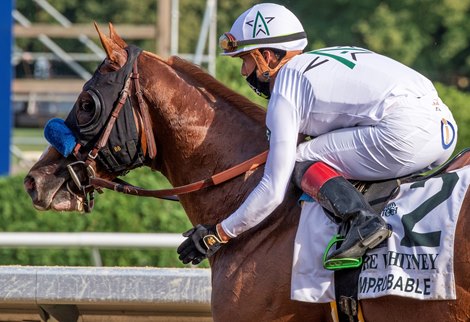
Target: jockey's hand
(202, 242)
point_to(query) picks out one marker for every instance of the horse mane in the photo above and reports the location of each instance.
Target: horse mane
(215, 87)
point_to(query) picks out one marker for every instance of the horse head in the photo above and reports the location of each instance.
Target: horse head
(135, 105)
(49, 183)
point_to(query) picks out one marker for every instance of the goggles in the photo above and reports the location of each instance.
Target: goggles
(228, 43)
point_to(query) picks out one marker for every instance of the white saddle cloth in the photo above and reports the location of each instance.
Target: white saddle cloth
(419, 266)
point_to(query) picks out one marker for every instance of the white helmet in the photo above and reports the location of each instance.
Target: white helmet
(265, 25)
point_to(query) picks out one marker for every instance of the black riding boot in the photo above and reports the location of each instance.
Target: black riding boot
(337, 195)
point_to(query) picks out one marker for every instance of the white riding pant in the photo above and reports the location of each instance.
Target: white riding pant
(416, 135)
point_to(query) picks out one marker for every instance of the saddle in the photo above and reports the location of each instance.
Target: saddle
(378, 193)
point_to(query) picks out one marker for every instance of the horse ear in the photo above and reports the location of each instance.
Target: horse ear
(114, 52)
(114, 36)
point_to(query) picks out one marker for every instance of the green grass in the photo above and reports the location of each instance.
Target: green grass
(30, 142)
(29, 139)
(27, 132)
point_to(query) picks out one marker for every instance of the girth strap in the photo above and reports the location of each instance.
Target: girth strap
(346, 289)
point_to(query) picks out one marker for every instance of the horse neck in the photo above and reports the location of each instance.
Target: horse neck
(200, 134)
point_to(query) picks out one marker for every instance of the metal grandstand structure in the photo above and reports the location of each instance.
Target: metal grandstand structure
(27, 93)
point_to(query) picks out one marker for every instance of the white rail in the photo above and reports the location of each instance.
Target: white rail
(94, 241)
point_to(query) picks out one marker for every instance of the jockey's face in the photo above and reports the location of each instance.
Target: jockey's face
(248, 65)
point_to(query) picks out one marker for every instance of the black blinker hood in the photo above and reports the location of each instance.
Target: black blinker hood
(123, 150)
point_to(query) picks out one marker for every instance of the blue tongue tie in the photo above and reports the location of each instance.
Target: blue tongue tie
(58, 134)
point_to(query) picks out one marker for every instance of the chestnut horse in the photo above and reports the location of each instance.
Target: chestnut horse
(201, 128)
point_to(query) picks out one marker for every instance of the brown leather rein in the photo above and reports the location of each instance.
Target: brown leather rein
(124, 187)
(170, 194)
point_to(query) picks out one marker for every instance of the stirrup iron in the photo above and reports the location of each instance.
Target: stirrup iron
(339, 263)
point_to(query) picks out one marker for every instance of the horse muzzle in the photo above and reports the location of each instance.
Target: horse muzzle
(49, 193)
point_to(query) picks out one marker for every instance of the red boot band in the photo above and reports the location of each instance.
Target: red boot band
(315, 176)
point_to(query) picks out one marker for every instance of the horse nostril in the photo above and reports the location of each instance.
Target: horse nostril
(29, 184)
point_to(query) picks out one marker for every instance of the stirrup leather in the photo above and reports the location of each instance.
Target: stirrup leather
(339, 263)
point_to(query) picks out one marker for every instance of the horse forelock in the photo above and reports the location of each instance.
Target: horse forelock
(216, 88)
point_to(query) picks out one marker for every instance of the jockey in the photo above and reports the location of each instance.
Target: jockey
(369, 118)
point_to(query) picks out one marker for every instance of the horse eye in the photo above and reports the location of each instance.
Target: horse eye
(86, 105)
(85, 109)
(85, 102)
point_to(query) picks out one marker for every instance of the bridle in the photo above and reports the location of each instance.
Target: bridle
(91, 182)
(87, 188)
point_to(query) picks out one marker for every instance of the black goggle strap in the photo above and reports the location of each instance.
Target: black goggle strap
(228, 42)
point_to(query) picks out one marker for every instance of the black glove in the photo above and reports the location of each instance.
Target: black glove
(202, 242)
